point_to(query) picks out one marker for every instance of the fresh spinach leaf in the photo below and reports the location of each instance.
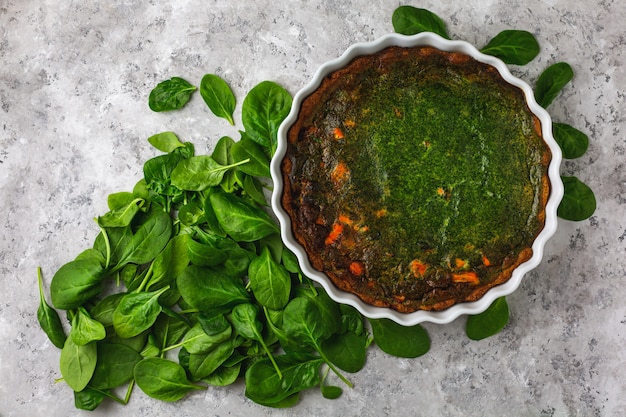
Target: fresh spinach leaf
(489, 322)
(347, 350)
(579, 201)
(263, 110)
(114, 366)
(572, 141)
(299, 372)
(88, 399)
(207, 289)
(77, 363)
(163, 379)
(171, 94)
(75, 283)
(48, 318)
(103, 310)
(516, 47)
(398, 340)
(223, 376)
(240, 220)
(247, 150)
(149, 239)
(121, 216)
(200, 172)
(137, 312)
(205, 255)
(218, 96)
(270, 281)
(165, 142)
(202, 365)
(409, 20)
(85, 329)
(551, 82)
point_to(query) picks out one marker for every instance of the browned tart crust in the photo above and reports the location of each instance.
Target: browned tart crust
(416, 178)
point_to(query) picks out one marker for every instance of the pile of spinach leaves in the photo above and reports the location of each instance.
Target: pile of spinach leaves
(188, 284)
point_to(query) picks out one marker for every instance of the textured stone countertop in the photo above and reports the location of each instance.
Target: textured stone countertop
(74, 82)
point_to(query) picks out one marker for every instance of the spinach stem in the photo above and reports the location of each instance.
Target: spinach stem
(108, 247)
(332, 367)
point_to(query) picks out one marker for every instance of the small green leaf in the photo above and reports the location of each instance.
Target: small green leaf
(579, 201)
(85, 329)
(137, 312)
(398, 340)
(78, 363)
(409, 20)
(200, 172)
(163, 379)
(263, 110)
(489, 322)
(331, 392)
(114, 366)
(171, 94)
(49, 319)
(218, 96)
(75, 283)
(270, 281)
(517, 47)
(551, 82)
(240, 220)
(165, 141)
(572, 141)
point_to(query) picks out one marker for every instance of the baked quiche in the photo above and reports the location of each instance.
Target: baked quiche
(416, 178)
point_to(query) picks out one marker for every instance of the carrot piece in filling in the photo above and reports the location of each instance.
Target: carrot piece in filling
(340, 173)
(356, 268)
(469, 277)
(338, 133)
(334, 234)
(418, 268)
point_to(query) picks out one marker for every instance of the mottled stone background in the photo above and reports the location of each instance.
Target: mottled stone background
(74, 81)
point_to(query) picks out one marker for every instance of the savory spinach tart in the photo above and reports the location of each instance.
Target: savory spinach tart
(416, 178)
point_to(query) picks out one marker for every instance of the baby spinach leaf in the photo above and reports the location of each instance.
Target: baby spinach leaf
(302, 321)
(200, 172)
(121, 216)
(163, 379)
(351, 320)
(171, 94)
(409, 20)
(516, 47)
(209, 290)
(572, 141)
(270, 281)
(263, 110)
(48, 318)
(328, 309)
(114, 366)
(202, 365)
(137, 312)
(196, 340)
(88, 399)
(221, 152)
(259, 163)
(78, 363)
(247, 324)
(223, 376)
(240, 220)
(331, 392)
(489, 322)
(551, 82)
(398, 340)
(347, 350)
(169, 263)
(218, 96)
(149, 239)
(579, 201)
(103, 310)
(165, 142)
(204, 255)
(299, 372)
(75, 283)
(85, 329)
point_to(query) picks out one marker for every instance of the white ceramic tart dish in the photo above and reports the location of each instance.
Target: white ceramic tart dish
(462, 263)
